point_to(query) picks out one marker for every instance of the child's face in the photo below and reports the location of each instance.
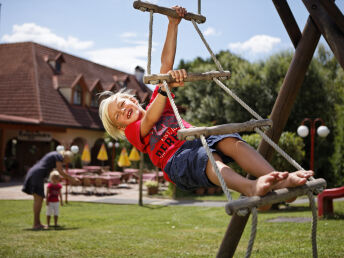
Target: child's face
(124, 111)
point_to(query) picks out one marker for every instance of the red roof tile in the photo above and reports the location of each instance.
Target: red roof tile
(29, 93)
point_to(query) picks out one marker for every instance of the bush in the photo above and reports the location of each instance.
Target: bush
(338, 155)
(151, 183)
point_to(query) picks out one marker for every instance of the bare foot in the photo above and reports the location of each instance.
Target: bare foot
(294, 179)
(264, 184)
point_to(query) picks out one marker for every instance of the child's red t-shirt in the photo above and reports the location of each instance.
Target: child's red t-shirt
(53, 192)
(161, 142)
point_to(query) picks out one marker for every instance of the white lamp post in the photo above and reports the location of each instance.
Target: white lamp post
(303, 131)
(74, 149)
(60, 148)
(112, 146)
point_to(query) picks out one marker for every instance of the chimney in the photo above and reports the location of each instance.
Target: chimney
(139, 72)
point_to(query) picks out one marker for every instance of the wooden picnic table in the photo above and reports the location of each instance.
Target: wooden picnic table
(152, 176)
(93, 169)
(77, 171)
(109, 180)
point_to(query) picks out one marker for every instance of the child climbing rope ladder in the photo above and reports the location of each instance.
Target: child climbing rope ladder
(188, 164)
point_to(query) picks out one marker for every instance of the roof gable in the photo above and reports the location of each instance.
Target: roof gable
(31, 85)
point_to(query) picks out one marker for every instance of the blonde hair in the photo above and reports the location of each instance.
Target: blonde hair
(110, 127)
(67, 154)
(53, 174)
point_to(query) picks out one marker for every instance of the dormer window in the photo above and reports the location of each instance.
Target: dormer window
(56, 63)
(77, 98)
(121, 80)
(94, 98)
(57, 68)
(123, 84)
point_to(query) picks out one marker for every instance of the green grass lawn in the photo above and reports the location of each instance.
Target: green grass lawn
(104, 230)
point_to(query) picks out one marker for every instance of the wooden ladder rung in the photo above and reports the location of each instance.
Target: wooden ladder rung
(159, 78)
(183, 134)
(146, 7)
(280, 195)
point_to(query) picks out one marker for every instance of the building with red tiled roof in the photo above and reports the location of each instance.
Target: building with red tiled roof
(49, 97)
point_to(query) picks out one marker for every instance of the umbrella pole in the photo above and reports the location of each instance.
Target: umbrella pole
(140, 179)
(66, 184)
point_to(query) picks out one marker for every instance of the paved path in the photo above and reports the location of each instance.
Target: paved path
(128, 194)
(125, 195)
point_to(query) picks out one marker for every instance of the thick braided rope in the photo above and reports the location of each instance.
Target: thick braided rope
(239, 100)
(205, 145)
(215, 167)
(149, 58)
(174, 107)
(253, 232)
(199, 6)
(219, 66)
(257, 116)
(314, 223)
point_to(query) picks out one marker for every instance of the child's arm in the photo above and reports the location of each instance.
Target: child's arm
(59, 168)
(156, 108)
(169, 50)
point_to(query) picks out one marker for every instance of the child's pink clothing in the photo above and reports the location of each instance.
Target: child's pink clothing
(162, 142)
(53, 192)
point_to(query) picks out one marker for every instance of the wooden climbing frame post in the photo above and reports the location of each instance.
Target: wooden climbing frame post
(159, 78)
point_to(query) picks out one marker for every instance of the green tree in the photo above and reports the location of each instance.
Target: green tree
(206, 103)
(338, 155)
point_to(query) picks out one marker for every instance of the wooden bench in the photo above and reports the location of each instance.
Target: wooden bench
(325, 200)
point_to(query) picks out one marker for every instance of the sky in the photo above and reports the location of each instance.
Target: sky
(114, 34)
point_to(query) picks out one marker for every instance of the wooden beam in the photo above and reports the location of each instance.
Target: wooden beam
(291, 85)
(28, 127)
(276, 196)
(2, 150)
(248, 126)
(146, 7)
(294, 78)
(159, 78)
(331, 32)
(288, 20)
(334, 12)
(232, 236)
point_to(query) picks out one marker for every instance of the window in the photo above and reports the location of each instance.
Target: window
(94, 98)
(57, 67)
(123, 84)
(77, 98)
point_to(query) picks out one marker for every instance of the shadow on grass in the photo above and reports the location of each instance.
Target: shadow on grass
(288, 208)
(52, 228)
(153, 207)
(335, 216)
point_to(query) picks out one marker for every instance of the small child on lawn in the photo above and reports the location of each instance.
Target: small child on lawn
(53, 195)
(154, 131)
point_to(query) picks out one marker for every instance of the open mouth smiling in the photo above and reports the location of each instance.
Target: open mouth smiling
(129, 113)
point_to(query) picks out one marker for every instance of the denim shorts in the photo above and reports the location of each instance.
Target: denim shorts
(186, 168)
